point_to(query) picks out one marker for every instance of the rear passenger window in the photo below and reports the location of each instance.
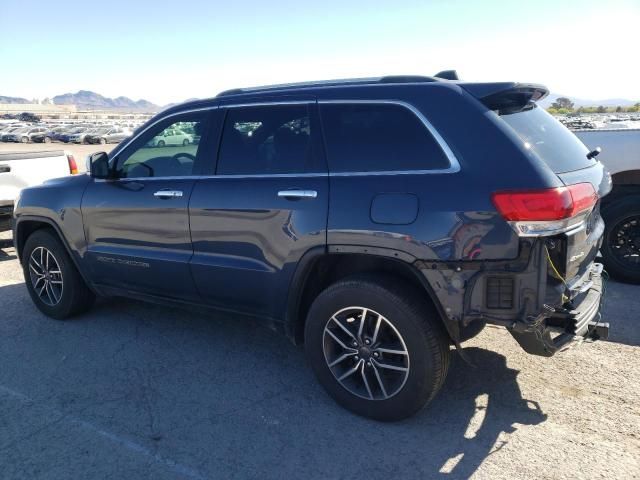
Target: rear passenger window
(378, 137)
(266, 140)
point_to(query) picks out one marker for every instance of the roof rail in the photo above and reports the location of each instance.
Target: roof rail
(332, 83)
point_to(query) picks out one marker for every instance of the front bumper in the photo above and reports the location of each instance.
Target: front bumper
(560, 328)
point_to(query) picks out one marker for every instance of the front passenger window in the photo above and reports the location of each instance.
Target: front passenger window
(165, 150)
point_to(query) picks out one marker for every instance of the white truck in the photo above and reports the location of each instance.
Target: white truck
(25, 169)
(621, 208)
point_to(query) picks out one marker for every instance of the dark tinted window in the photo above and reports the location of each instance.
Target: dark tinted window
(266, 140)
(378, 137)
(551, 141)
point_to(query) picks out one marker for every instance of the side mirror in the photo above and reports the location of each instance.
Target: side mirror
(98, 165)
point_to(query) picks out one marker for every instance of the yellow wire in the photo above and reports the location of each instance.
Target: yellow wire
(557, 273)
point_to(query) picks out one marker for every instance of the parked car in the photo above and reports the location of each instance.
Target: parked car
(108, 135)
(81, 136)
(25, 169)
(621, 209)
(378, 244)
(6, 130)
(69, 135)
(23, 135)
(171, 136)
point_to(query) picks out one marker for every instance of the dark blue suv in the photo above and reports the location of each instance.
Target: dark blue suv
(378, 221)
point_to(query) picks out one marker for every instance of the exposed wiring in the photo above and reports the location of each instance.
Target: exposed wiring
(557, 274)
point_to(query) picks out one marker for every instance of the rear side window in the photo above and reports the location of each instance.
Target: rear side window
(266, 140)
(378, 137)
(551, 141)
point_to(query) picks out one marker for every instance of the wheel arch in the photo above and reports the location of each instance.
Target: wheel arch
(27, 225)
(318, 269)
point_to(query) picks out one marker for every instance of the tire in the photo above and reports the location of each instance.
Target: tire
(161, 143)
(622, 224)
(185, 142)
(103, 141)
(408, 323)
(24, 139)
(47, 140)
(73, 297)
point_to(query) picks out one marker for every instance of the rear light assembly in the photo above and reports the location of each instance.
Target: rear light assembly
(534, 213)
(73, 166)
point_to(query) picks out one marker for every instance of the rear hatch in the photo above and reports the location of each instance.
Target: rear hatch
(567, 157)
(586, 181)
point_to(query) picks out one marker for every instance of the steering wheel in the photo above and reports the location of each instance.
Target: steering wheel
(184, 154)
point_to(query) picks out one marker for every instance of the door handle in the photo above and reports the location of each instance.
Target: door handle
(5, 168)
(168, 194)
(297, 194)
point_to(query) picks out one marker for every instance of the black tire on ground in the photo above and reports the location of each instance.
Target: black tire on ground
(24, 139)
(415, 320)
(622, 223)
(75, 297)
(47, 139)
(185, 142)
(103, 141)
(161, 143)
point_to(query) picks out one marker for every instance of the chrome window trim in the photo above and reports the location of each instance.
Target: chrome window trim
(453, 161)
(454, 165)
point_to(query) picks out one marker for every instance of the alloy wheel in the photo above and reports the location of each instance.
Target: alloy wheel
(46, 276)
(365, 353)
(624, 241)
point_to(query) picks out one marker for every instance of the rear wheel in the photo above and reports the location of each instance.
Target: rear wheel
(24, 139)
(54, 284)
(103, 141)
(377, 347)
(621, 245)
(47, 139)
(161, 143)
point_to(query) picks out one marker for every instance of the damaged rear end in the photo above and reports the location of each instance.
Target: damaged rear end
(551, 295)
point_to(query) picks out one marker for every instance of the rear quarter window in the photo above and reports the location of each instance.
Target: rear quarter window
(551, 141)
(378, 137)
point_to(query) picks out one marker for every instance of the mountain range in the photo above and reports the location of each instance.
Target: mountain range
(582, 102)
(85, 99)
(94, 101)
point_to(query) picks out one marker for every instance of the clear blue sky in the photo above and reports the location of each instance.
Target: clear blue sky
(168, 51)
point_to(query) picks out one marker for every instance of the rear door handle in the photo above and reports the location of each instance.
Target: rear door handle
(168, 194)
(5, 168)
(297, 194)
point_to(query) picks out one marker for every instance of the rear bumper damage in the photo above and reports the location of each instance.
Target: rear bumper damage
(557, 329)
(521, 296)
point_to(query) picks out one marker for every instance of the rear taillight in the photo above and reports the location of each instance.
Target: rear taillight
(73, 166)
(548, 211)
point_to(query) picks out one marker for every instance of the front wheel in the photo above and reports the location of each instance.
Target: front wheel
(103, 141)
(185, 142)
(621, 245)
(24, 139)
(54, 283)
(378, 348)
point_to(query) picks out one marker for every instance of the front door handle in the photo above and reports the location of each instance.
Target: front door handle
(5, 168)
(297, 194)
(168, 194)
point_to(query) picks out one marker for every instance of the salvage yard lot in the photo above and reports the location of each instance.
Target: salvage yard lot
(131, 390)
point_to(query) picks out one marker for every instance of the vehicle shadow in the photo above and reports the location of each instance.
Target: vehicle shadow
(6, 250)
(207, 389)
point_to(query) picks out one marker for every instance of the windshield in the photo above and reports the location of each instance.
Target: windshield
(551, 141)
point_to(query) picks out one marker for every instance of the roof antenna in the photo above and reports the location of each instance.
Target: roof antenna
(447, 75)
